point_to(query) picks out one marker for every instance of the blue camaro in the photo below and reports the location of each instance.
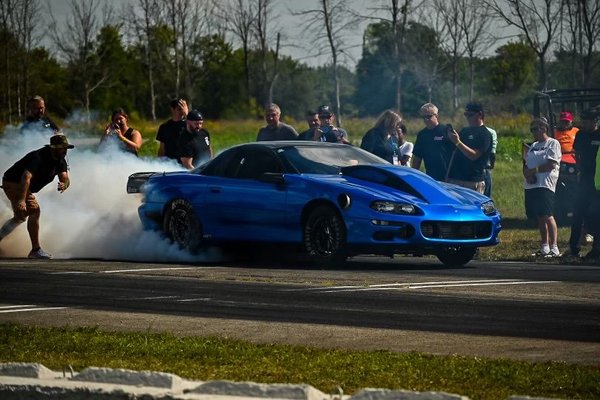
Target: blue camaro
(335, 200)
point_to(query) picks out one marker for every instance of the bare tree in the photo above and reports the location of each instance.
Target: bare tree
(538, 22)
(583, 23)
(261, 33)
(144, 23)
(396, 13)
(187, 19)
(334, 19)
(475, 20)
(239, 17)
(17, 19)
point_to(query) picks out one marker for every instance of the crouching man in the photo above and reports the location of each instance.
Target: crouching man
(28, 176)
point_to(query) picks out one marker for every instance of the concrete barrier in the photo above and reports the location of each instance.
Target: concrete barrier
(30, 381)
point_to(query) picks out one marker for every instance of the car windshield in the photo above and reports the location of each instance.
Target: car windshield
(327, 159)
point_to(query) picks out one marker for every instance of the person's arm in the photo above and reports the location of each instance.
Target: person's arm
(63, 181)
(187, 162)
(161, 150)
(25, 183)
(471, 154)
(416, 162)
(136, 140)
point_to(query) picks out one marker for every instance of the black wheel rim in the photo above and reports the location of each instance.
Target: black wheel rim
(324, 238)
(181, 227)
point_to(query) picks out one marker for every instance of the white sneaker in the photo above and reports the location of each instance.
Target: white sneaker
(553, 254)
(39, 253)
(541, 253)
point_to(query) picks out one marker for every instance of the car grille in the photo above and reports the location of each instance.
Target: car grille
(456, 230)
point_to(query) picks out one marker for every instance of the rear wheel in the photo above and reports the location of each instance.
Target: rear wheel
(182, 226)
(325, 236)
(456, 255)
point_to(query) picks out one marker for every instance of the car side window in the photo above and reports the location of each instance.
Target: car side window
(255, 163)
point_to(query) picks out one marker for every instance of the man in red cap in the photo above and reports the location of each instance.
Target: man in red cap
(565, 133)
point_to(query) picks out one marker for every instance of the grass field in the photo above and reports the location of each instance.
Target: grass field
(211, 358)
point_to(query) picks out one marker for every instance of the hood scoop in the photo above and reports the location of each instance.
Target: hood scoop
(381, 176)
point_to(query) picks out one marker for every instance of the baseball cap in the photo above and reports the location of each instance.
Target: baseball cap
(59, 142)
(566, 116)
(194, 115)
(324, 111)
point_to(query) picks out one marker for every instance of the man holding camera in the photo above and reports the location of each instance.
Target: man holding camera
(473, 149)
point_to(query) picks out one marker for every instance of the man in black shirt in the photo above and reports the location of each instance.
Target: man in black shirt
(36, 119)
(473, 149)
(587, 207)
(168, 132)
(193, 144)
(28, 176)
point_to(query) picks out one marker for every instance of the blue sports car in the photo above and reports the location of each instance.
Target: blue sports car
(334, 200)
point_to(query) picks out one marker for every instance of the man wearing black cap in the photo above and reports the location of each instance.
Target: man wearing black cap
(168, 131)
(193, 144)
(587, 207)
(329, 132)
(473, 149)
(28, 176)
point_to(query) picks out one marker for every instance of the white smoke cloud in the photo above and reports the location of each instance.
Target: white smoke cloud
(95, 217)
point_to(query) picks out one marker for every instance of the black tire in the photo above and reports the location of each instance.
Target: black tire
(325, 236)
(182, 226)
(456, 256)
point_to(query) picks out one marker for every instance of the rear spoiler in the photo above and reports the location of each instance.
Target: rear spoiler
(136, 181)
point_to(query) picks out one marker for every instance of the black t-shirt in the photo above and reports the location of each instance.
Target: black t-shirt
(194, 145)
(42, 123)
(168, 134)
(465, 169)
(586, 147)
(40, 164)
(434, 148)
(281, 132)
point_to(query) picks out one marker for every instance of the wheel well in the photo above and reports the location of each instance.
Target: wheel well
(309, 207)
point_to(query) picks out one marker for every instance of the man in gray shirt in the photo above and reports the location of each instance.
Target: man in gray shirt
(275, 129)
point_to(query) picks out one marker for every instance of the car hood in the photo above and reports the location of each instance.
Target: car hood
(402, 184)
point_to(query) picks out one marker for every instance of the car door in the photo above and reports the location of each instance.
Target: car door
(244, 207)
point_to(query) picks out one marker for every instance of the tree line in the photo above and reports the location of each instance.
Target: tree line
(224, 56)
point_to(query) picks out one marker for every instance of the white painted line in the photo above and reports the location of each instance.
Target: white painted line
(154, 298)
(19, 306)
(407, 284)
(31, 309)
(429, 285)
(483, 284)
(117, 271)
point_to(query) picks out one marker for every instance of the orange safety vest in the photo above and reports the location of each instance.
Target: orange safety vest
(566, 139)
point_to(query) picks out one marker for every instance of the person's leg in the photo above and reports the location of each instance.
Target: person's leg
(583, 200)
(543, 228)
(552, 231)
(487, 179)
(33, 222)
(12, 193)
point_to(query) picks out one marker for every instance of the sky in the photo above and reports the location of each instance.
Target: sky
(290, 26)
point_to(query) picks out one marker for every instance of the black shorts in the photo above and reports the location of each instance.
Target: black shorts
(539, 202)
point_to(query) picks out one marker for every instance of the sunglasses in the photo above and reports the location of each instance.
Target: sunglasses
(535, 129)
(470, 114)
(427, 116)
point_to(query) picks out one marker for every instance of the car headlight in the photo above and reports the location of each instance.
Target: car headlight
(489, 208)
(391, 207)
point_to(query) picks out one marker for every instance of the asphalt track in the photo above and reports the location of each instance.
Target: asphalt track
(534, 312)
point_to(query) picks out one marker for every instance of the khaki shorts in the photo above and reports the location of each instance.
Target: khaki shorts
(13, 192)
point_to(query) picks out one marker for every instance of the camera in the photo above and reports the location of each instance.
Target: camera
(450, 128)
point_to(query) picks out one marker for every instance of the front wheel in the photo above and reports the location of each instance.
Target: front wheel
(456, 255)
(325, 236)
(182, 226)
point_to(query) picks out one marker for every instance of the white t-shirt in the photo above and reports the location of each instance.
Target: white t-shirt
(538, 154)
(406, 149)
